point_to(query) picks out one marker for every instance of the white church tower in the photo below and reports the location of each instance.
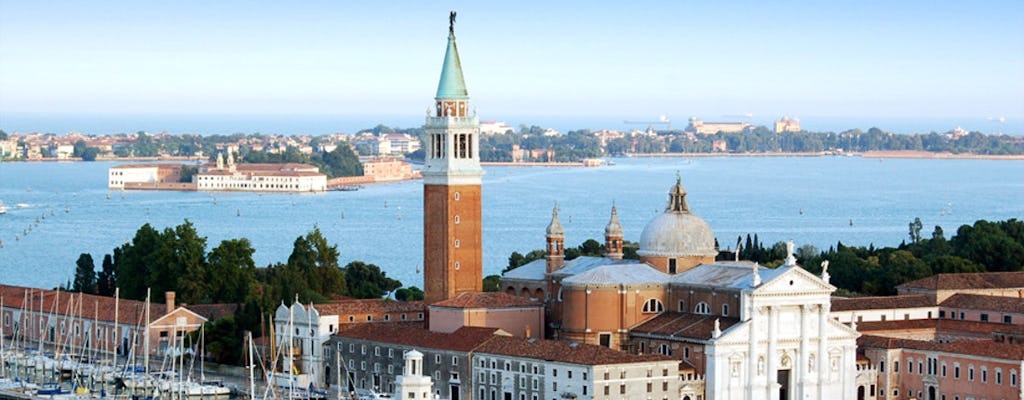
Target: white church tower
(412, 384)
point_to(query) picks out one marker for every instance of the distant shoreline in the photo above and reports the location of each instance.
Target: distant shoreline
(906, 154)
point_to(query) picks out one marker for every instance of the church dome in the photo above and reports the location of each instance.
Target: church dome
(555, 227)
(677, 232)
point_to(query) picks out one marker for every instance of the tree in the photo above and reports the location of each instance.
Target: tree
(367, 281)
(90, 154)
(491, 283)
(411, 293)
(231, 271)
(915, 230)
(85, 274)
(105, 279)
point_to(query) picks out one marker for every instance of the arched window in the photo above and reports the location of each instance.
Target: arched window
(702, 308)
(664, 349)
(653, 306)
(725, 310)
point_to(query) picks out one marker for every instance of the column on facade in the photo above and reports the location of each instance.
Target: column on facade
(822, 349)
(751, 357)
(802, 364)
(773, 316)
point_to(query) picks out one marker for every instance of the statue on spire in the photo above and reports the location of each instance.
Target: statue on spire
(451, 22)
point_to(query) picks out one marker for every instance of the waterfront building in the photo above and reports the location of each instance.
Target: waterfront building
(254, 177)
(131, 176)
(710, 128)
(396, 144)
(101, 325)
(452, 219)
(387, 169)
(787, 124)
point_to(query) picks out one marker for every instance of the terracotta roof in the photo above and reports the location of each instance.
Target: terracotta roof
(945, 326)
(213, 312)
(486, 300)
(130, 312)
(684, 325)
(562, 351)
(986, 303)
(980, 280)
(881, 302)
(414, 334)
(983, 347)
(369, 306)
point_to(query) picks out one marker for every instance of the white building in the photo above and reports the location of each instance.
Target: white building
(119, 176)
(494, 128)
(884, 308)
(300, 332)
(288, 177)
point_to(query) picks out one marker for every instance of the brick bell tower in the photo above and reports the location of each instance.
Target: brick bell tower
(452, 244)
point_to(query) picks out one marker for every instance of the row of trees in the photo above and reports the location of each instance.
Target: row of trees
(175, 259)
(982, 247)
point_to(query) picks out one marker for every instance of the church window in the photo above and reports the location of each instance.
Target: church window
(456, 243)
(702, 308)
(653, 306)
(725, 310)
(664, 349)
(457, 265)
(456, 196)
(457, 219)
(682, 306)
(671, 265)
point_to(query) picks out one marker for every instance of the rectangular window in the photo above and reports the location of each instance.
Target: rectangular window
(942, 313)
(1007, 319)
(984, 317)
(622, 389)
(956, 371)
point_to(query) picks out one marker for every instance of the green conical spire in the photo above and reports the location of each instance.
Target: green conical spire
(452, 85)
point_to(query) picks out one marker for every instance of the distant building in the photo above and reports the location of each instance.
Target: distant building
(388, 169)
(129, 176)
(494, 128)
(251, 177)
(396, 144)
(885, 308)
(710, 128)
(787, 124)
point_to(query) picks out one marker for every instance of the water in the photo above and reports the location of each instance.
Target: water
(382, 224)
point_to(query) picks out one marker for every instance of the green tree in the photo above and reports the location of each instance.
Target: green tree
(411, 293)
(367, 281)
(491, 283)
(231, 272)
(915, 230)
(85, 274)
(105, 279)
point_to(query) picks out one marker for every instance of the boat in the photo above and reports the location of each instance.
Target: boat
(3, 208)
(345, 188)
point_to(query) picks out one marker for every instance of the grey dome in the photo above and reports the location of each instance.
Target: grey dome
(677, 232)
(555, 227)
(614, 228)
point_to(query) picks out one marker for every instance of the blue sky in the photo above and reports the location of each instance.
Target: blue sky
(863, 58)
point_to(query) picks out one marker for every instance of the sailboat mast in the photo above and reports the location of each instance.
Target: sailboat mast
(117, 327)
(145, 336)
(252, 367)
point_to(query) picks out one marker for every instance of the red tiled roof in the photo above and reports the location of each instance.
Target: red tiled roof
(985, 303)
(947, 326)
(980, 280)
(562, 351)
(981, 347)
(684, 325)
(881, 302)
(486, 300)
(413, 334)
(368, 306)
(130, 312)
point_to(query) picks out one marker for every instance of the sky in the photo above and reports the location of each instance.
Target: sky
(588, 58)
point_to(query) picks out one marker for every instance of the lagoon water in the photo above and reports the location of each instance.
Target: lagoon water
(382, 224)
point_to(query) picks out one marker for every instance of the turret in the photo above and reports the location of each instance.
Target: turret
(555, 238)
(613, 237)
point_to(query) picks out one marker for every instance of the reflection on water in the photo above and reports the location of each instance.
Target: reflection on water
(382, 224)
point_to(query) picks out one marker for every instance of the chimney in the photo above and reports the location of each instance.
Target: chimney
(169, 299)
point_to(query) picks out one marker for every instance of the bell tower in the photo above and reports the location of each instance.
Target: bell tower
(452, 218)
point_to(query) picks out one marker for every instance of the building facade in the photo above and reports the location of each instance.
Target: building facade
(252, 177)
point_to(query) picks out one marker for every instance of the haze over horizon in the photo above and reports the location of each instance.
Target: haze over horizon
(611, 60)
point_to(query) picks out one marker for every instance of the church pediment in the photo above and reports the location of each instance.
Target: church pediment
(793, 280)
